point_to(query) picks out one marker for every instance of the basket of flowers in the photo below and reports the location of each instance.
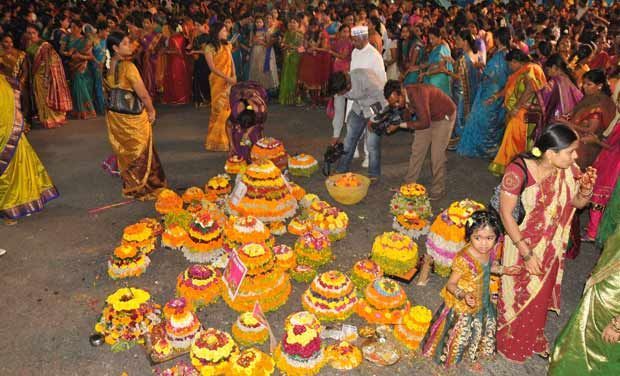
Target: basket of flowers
(347, 189)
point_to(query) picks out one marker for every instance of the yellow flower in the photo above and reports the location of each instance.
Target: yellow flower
(127, 298)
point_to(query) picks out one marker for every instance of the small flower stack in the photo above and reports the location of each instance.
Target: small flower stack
(200, 285)
(127, 261)
(413, 327)
(212, 351)
(182, 324)
(301, 351)
(395, 253)
(248, 331)
(384, 302)
(302, 165)
(331, 297)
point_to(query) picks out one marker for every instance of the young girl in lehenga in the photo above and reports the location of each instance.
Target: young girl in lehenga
(464, 325)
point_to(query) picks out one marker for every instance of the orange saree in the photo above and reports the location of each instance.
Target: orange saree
(217, 138)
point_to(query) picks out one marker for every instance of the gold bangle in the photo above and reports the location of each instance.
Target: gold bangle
(459, 293)
(527, 257)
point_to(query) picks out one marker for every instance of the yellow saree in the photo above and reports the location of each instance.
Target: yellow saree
(131, 138)
(518, 127)
(217, 138)
(25, 186)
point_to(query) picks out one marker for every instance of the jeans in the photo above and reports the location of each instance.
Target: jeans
(356, 124)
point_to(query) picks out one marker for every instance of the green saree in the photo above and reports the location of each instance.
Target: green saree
(288, 83)
(580, 349)
(611, 217)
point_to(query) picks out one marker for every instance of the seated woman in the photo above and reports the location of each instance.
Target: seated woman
(248, 104)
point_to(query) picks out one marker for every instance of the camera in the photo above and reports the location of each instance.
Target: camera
(388, 116)
(331, 156)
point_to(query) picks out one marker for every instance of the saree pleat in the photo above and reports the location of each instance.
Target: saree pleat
(217, 138)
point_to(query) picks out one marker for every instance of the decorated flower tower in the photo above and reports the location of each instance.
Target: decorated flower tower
(205, 241)
(331, 297)
(200, 285)
(313, 249)
(248, 331)
(252, 362)
(212, 351)
(328, 219)
(395, 253)
(384, 302)
(411, 209)
(182, 324)
(413, 327)
(364, 272)
(301, 351)
(447, 235)
(243, 230)
(128, 315)
(272, 149)
(266, 194)
(265, 282)
(127, 261)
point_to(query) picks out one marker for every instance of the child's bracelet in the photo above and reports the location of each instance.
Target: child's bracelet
(459, 293)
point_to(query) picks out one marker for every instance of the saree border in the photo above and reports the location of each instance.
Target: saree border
(31, 207)
(6, 155)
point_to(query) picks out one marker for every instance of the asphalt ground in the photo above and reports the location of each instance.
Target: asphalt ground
(53, 278)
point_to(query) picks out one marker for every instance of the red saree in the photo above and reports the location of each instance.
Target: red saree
(178, 80)
(525, 299)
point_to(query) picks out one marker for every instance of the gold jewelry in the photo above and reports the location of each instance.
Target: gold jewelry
(527, 257)
(459, 293)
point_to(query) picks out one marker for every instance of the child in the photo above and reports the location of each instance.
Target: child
(464, 325)
(248, 103)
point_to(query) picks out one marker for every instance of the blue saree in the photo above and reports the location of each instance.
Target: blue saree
(440, 80)
(465, 90)
(484, 128)
(95, 67)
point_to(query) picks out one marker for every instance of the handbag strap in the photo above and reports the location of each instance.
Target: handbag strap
(116, 70)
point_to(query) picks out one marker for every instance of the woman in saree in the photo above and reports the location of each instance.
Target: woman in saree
(467, 74)
(14, 65)
(178, 77)
(248, 104)
(201, 92)
(97, 38)
(611, 217)
(25, 186)
(263, 67)
(151, 44)
(589, 343)
(411, 54)
(553, 189)
(523, 106)
(218, 54)
(341, 49)
(293, 41)
(50, 91)
(608, 165)
(131, 136)
(579, 61)
(484, 127)
(315, 62)
(390, 55)
(437, 67)
(590, 118)
(80, 53)
(561, 94)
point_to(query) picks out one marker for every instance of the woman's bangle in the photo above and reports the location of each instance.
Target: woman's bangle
(528, 256)
(587, 194)
(615, 324)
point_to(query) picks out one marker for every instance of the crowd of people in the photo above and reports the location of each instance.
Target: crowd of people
(530, 86)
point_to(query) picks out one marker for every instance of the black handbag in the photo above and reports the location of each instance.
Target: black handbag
(123, 101)
(518, 213)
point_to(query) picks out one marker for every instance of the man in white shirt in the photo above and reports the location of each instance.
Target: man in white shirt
(364, 56)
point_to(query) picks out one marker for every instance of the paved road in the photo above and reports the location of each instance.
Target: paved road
(54, 279)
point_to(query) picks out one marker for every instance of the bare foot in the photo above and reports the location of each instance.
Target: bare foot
(476, 367)
(425, 272)
(10, 222)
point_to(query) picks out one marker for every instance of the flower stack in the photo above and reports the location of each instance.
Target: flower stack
(205, 241)
(243, 230)
(413, 327)
(248, 331)
(302, 165)
(395, 253)
(218, 187)
(277, 228)
(297, 191)
(331, 297)
(303, 273)
(271, 149)
(314, 249)
(235, 165)
(182, 324)
(128, 315)
(343, 356)
(299, 225)
(264, 282)
(384, 302)
(212, 351)
(306, 202)
(252, 362)
(364, 272)
(168, 202)
(155, 225)
(193, 194)
(411, 209)
(447, 234)
(127, 261)
(301, 351)
(285, 256)
(329, 219)
(176, 225)
(200, 285)
(140, 236)
(267, 197)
